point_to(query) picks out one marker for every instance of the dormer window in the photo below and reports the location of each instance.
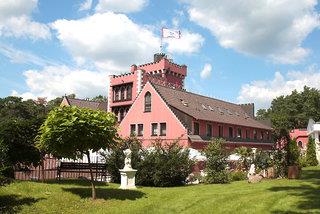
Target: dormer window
(147, 102)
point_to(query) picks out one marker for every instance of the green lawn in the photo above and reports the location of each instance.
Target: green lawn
(269, 196)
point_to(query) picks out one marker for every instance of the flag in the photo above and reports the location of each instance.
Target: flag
(170, 33)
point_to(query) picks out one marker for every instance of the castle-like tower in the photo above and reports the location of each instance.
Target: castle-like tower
(124, 88)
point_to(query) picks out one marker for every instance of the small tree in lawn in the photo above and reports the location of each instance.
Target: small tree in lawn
(216, 162)
(311, 155)
(293, 153)
(72, 132)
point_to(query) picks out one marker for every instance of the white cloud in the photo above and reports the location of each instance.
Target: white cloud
(86, 5)
(273, 29)
(121, 6)
(111, 41)
(187, 44)
(15, 20)
(264, 91)
(206, 71)
(54, 81)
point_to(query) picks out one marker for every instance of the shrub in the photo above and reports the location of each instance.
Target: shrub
(216, 162)
(246, 155)
(280, 162)
(163, 165)
(293, 153)
(262, 160)
(311, 157)
(168, 164)
(115, 157)
(238, 175)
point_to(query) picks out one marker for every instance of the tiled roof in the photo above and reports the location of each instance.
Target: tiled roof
(206, 108)
(88, 104)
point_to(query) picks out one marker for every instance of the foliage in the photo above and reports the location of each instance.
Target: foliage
(294, 110)
(114, 158)
(280, 162)
(216, 162)
(99, 98)
(71, 132)
(262, 159)
(293, 153)
(246, 156)
(162, 165)
(238, 175)
(311, 157)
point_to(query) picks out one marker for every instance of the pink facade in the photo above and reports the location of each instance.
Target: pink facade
(301, 136)
(124, 88)
(146, 104)
(160, 113)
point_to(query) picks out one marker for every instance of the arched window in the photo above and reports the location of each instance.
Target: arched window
(300, 144)
(147, 102)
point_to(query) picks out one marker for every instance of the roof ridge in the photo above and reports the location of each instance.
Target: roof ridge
(85, 100)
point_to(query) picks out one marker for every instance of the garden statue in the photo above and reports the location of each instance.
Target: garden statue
(127, 173)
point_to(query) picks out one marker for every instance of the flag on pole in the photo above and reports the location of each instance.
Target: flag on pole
(171, 33)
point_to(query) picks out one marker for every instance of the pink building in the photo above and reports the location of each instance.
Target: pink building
(151, 103)
(301, 136)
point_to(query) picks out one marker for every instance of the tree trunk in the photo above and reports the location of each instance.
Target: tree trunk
(92, 180)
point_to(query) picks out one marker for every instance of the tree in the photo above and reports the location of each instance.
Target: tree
(99, 98)
(293, 153)
(72, 132)
(311, 156)
(19, 124)
(246, 156)
(294, 110)
(216, 162)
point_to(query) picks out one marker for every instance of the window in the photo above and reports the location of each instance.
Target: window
(209, 130)
(220, 131)
(121, 115)
(300, 144)
(147, 102)
(239, 133)
(248, 134)
(116, 95)
(140, 129)
(129, 92)
(122, 93)
(133, 129)
(196, 130)
(154, 129)
(163, 129)
(230, 132)
(262, 135)
(255, 134)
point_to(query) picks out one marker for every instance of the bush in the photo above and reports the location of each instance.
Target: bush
(163, 165)
(293, 153)
(246, 156)
(216, 162)
(115, 157)
(262, 160)
(238, 175)
(280, 163)
(311, 157)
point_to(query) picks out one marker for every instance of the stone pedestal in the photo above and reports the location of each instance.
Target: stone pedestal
(128, 180)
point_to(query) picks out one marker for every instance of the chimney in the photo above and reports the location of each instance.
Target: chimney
(158, 56)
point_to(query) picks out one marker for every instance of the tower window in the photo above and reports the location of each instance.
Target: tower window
(147, 102)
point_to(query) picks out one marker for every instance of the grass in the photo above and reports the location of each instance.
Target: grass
(73, 196)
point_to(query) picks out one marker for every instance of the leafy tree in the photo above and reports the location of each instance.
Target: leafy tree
(72, 132)
(246, 156)
(311, 156)
(294, 110)
(216, 162)
(99, 98)
(263, 160)
(293, 153)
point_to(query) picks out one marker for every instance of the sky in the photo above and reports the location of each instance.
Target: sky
(238, 51)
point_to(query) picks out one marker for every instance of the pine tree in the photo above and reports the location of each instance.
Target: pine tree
(311, 153)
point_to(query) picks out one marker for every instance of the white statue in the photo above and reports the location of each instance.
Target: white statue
(252, 170)
(127, 160)
(127, 173)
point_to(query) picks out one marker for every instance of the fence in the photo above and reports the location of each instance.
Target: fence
(49, 170)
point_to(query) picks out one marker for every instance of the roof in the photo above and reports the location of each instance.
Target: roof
(87, 104)
(207, 108)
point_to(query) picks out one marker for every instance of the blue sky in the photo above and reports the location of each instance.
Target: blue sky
(239, 51)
